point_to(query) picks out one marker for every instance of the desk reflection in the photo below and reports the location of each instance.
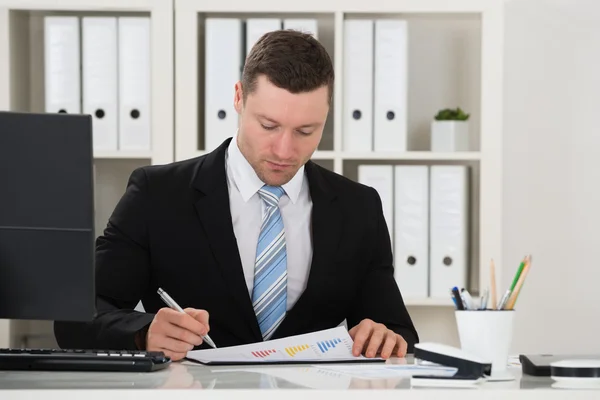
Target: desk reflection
(189, 375)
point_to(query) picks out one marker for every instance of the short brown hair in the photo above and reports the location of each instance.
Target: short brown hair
(291, 60)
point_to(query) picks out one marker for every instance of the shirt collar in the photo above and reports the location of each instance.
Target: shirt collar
(246, 180)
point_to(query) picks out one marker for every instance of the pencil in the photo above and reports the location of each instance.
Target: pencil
(493, 284)
(518, 274)
(513, 297)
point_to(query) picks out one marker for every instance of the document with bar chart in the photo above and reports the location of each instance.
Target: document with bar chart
(330, 345)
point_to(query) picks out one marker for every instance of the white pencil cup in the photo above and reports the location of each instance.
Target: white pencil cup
(488, 335)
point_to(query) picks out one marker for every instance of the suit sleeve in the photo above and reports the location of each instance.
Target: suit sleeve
(379, 298)
(121, 277)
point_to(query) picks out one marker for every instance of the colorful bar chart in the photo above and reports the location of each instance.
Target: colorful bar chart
(334, 344)
(325, 345)
(262, 353)
(292, 351)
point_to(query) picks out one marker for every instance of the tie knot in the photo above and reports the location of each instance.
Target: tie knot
(271, 194)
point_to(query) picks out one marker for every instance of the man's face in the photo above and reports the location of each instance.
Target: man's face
(279, 131)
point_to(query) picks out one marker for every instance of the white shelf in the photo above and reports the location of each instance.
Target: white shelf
(86, 5)
(413, 155)
(428, 302)
(134, 155)
(318, 155)
(332, 155)
(23, 31)
(405, 156)
(350, 6)
(324, 155)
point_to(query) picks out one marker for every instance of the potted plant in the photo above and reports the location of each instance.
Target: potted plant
(450, 130)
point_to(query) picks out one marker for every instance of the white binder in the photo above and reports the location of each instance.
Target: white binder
(357, 130)
(411, 229)
(99, 49)
(134, 83)
(381, 178)
(448, 228)
(223, 58)
(391, 83)
(257, 27)
(306, 25)
(62, 65)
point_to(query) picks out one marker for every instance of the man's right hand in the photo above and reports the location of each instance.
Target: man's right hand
(175, 333)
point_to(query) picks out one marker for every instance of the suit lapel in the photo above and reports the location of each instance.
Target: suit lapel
(214, 213)
(326, 226)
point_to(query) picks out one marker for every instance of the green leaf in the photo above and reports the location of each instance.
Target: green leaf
(448, 114)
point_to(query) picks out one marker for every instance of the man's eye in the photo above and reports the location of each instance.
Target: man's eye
(268, 128)
(304, 133)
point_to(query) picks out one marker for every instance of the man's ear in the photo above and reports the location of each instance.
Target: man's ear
(238, 98)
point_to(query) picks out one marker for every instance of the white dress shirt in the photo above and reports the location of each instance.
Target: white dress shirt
(247, 210)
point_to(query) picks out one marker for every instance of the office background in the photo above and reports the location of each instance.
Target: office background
(529, 66)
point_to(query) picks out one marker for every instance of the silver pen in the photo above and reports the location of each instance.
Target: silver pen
(504, 299)
(171, 303)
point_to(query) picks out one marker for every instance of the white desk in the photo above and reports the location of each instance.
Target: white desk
(182, 381)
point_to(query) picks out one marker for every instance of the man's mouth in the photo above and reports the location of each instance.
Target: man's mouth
(278, 165)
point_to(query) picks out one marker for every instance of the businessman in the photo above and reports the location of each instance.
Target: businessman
(253, 240)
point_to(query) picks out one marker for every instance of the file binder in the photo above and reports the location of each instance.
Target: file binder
(62, 75)
(223, 58)
(381, 178)
(134, 83)
(257, 27)
(99, 49)
(358, 85)
(411, 229)
(391, 83)
(306, 25)
(448, 228)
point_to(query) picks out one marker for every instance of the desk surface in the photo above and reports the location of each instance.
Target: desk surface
(293, 382)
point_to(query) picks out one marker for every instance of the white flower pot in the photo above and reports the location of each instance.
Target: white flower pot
(448, 136)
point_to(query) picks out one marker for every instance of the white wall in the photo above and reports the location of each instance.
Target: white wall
(552, 171)
(551, 178)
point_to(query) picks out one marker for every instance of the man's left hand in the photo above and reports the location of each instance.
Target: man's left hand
(372, 339)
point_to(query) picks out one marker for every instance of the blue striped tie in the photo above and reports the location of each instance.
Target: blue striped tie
(269, 296)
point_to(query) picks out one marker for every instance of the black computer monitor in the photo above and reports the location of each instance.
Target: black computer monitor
(46, 217)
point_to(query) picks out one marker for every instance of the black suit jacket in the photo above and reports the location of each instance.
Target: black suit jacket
(172, 229)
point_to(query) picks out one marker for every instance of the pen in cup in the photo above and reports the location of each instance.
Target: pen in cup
(504, 299)
(484, 300)
(468, 300)
(457, 298)
(171, 303)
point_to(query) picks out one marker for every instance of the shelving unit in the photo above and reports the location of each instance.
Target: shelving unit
(131, 155)
(22, 89)
(455, 59)
(458, 42)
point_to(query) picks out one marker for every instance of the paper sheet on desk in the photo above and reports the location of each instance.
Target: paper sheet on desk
(389, 371)
(330, 345)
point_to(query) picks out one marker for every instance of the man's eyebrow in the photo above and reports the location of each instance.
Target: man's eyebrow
(314, 124)
(267, 118)
(311, 125)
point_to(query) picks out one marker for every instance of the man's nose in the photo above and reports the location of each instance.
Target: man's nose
(283, 145)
